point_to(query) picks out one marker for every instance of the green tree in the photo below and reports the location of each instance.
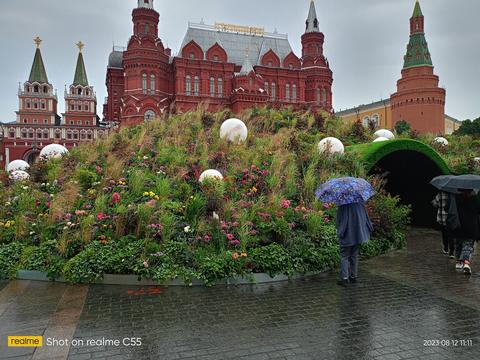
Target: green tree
(403, 127)
(469, 127)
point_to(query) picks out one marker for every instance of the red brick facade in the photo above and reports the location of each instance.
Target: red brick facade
(218, 66)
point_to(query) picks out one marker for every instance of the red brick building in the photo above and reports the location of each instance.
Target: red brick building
(418, 99)
(224, 66)
(38, 124)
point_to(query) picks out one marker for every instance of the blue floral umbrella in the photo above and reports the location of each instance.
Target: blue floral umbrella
(347, 190)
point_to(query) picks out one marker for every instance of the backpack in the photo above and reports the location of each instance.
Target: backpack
(453, 220)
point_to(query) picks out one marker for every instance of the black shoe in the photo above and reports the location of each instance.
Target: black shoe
(353, 280)
(445, 251)
(342, 282)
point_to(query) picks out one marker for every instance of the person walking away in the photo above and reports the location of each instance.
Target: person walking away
(448, 241)
(353, 229)
(468, 208)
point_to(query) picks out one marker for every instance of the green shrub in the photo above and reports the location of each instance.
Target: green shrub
(10, 255)
(272, 259)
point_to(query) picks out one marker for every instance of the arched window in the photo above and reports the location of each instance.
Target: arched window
(324, 96)
(72, 106)
(212, 87)
(220, 87)
(375, 120)
(287, 92)
(28, 103)
(153, 84)
(85, 106)
(149, 115)
(35, 88)
(28, 88)
(318, 95)
(144, 83)
(192, 55)
(196, 86)
(274, 90)
(294, 93)
(265, 86)
(188, 85)
(147, 28)
(366, 121)
(79, 91)
(45, 89)
(35, 104)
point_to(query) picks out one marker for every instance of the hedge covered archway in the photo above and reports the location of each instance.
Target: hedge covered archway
(408, 166)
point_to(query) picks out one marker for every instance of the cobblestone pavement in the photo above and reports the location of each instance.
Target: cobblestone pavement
(404, 299)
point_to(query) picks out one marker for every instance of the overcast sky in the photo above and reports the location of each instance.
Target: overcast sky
(365, 41)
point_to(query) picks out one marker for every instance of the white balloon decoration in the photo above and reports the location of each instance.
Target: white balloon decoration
(53, 151)
(384, 133)
(210, 174)
(441, 140)
(380, 139)
(332, 145)
(234, 130)
(17, 165)
(19, 175)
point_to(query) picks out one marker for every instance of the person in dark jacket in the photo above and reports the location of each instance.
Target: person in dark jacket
(448, 240)
(353, 229)
(468, 208)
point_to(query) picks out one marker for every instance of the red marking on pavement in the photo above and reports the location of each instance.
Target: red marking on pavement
(149, 291)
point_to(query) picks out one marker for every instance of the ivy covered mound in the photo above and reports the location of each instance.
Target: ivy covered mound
(132, 203)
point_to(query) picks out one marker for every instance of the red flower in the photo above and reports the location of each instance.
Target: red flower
(230, 236)
(101, 216)
(115, 198)
(285, 204)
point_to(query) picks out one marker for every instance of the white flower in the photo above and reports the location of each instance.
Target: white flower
(32, 232)
(215, 216)
(65, 228)
(187, 229)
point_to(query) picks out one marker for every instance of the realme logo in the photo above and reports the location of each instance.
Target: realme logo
(25, 341)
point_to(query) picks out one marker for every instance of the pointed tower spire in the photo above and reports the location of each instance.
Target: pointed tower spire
(247, 66)
(38, 73)
(417, 48)
(417, 11)
(312, 20)
(145, 4)
(80, 72)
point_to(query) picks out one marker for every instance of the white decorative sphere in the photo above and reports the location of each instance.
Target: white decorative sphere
(332, 145)
(210, 174)
(53, 151)
(17, 165)
(234, 130)
(384, 133)
(380, 139)
(441, 140)
(19, 175)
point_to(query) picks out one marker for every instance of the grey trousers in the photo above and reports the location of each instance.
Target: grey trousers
(349, 261)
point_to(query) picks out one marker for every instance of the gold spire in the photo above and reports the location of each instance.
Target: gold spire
(37, 41)
(80, 46)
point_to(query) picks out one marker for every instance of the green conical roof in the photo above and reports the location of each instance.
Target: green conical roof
(417, 11)
(38, 72)
(80, 72)
(417, 52)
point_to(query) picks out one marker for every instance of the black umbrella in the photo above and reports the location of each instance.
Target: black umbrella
(464, 182)
(440, 182)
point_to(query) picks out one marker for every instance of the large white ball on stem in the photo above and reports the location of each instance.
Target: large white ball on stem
(384, 133)
(19, 175)
(441, 140)
(234, 130)
(381, 138)
(53, 151)
(210, 175)
(17, 165)
(331, 145)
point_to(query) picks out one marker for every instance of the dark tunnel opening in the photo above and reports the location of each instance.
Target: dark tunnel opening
(408, 175)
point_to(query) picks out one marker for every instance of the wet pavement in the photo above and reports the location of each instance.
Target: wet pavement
(410, 304)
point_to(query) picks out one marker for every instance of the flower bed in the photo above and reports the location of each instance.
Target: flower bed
(132, 203)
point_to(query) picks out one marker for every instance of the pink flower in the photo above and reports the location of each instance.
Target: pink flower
(152, 202)
(285, 204)
(80, 212)
(326, 219)
(230, 236)
(207, 238)
(115, 198)
(99, 169)
(101, 216)
(145, 263)
(234, 242)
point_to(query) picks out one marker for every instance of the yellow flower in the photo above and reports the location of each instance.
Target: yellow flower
(146, 193)
(152, 194)
(254, 189)
(157, 197)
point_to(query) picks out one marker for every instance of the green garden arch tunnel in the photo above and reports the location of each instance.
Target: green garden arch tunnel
(408, 166)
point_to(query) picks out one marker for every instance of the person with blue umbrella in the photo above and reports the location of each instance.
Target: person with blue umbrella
(353, 223)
